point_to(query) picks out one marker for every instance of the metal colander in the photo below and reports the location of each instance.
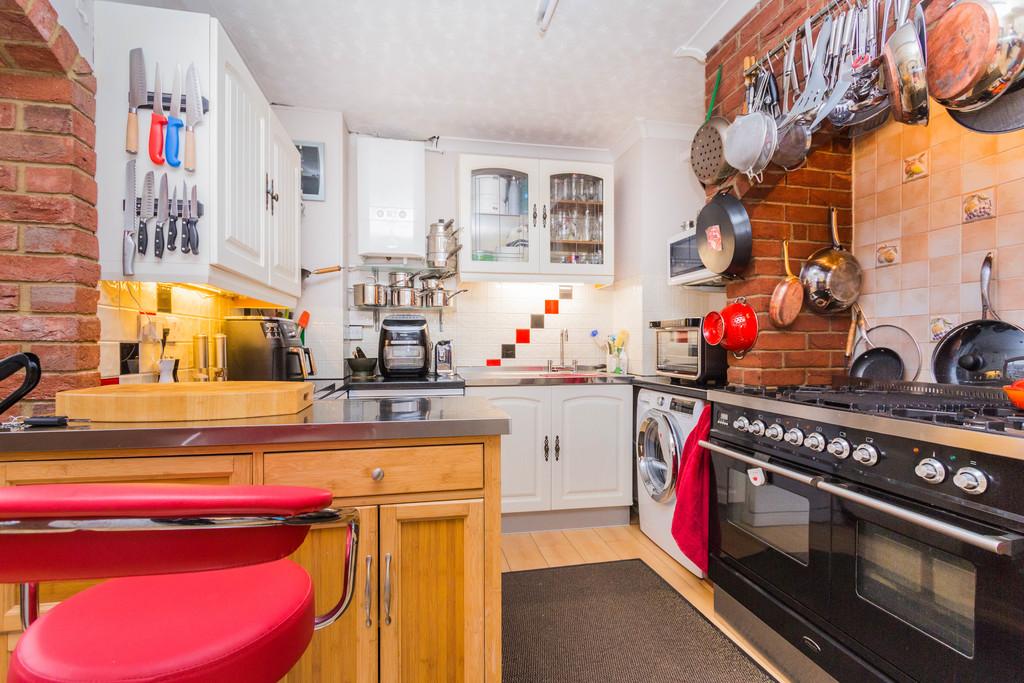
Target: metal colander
(750, 142)
(707, 152)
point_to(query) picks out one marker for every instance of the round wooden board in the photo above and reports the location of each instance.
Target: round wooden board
(961, 46)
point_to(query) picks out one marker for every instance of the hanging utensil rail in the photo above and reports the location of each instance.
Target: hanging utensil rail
(814, 20)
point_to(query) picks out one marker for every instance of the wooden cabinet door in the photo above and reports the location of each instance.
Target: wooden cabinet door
(432, 592)
(525, 462)
(243, 117)
(345, 651)
(592, 465)
(284, 215)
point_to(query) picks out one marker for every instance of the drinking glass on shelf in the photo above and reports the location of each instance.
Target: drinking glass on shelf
(585, 234)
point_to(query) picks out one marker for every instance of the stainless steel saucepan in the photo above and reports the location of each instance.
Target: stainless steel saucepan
(832, 276)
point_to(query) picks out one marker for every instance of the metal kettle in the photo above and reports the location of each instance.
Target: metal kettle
(8, 366)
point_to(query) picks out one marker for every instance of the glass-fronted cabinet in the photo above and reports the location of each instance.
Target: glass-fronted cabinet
(536, 217)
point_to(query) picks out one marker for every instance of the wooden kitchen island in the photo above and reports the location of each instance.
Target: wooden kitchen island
(424, 475)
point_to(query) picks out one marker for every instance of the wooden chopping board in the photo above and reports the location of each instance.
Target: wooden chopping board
(185, 401)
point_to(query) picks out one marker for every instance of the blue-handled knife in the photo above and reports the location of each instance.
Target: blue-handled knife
(172, 146)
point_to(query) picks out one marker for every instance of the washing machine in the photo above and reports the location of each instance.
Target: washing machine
(663, 423)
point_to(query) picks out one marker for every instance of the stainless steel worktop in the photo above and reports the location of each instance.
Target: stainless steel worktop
(348, 420)
(536, 376)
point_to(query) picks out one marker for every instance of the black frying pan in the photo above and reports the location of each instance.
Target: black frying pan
(986, 351)
(879, 363)
(724, 238)
(10, 365)
(1005, 115)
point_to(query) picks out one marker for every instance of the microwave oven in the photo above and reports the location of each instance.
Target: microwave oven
(684, 264)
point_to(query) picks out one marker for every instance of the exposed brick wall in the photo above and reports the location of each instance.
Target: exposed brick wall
(791, 206)
(48, 247)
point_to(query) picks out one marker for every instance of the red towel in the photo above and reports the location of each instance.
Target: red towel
(690, 521)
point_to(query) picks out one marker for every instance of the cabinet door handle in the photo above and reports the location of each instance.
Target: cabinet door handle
(547, 449)
(544, 216)
(368, 593)
(273, 197)
(558, 449)
(387, 589)
(535, 215)
(266, 191)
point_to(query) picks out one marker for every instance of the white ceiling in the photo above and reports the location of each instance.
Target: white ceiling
(479, 68)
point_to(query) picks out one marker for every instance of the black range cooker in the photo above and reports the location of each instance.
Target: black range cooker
(876, 527)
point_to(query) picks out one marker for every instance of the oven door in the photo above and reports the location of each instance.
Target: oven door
(773, 524)
(678, 352)
(934, 605)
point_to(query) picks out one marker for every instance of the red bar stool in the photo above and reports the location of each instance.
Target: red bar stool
(203, 593)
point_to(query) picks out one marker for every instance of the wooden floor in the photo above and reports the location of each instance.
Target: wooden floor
(542, 549)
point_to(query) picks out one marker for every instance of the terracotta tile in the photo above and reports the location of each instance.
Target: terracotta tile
(915, 248)
(1010, 165)
(978, 174)
(1009, 140)
(889, 305)
(974, 146)
(864, 183)
(970, 301)
(942, 128)
(888, 201)
(1010, 197)
(913, 301)
(944, 270)
(970, 265)
(945, 213)
(888, 151)
(864, 233)
(943, 299)
(862, 148)
(945, 184)
(915, 193)
(914, 221)
(980, 234)
(867, 282)
(944, 242)
(946, 155)
(1011, 265)
(917, 326)
(865, 254)
(864, 208)
(914, 274)
(887, 279)
(1009, 229)
(915, 140)
(888, 175)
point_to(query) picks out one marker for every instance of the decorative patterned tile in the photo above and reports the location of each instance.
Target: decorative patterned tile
(915, 166)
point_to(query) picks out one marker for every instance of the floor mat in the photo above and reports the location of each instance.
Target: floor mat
(614, 622)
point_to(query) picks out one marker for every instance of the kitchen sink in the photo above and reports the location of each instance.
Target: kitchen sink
(482, 376)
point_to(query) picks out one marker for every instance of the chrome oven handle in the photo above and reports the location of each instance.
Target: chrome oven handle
(1007, 544)
(766, 466)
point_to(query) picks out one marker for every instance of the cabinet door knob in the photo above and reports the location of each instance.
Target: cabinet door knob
(377, 474)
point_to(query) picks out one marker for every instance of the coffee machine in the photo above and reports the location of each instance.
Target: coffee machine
(265, 348)
(404, 346)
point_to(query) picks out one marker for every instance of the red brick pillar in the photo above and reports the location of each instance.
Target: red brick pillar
(48, 246)
(791, 206)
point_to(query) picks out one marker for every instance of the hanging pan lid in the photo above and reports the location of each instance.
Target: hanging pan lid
(724, 238)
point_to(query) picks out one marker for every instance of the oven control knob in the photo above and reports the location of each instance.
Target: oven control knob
(931, 470)
(815, 441)
(774, 432)
(756, 428)
(794, 437)
(740, 424)
(866, 454)
(970, 480)
(839, 447)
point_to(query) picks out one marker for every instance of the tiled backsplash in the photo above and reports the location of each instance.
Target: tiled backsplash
(490, 315)
(193, 311)
(921, 200)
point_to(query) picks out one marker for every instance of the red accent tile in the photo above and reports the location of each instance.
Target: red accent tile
(522, 336)
(109, 380)
(551, 306)
(493, 361)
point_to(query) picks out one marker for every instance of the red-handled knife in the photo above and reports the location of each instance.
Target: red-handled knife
(157, 123)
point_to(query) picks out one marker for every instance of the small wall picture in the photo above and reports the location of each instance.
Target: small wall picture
(915, 167)
(977, 206)
(312, 161)
(887, 254)
(939, 325)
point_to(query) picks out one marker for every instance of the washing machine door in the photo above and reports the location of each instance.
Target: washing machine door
(659, 454)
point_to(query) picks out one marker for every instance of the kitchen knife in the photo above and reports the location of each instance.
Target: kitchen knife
(185, 217)
(172, 221)
(161, 218)
(193, 220)
(136, 98)
(146, 211)
(193, 115)
(157, 122)
(172, 150)
(128, 239)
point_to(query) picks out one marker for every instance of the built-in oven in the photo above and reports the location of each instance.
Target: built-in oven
(684, 264)
(922, 594)
(682, 352)
(773, 523)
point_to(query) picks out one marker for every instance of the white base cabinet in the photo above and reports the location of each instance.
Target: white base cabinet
(568, 447)
(247, 168)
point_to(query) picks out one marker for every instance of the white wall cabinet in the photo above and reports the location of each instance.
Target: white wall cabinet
(536, 219)
(240, 151)
(568, 446)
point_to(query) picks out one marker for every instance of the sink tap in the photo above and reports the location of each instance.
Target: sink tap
(562, 338)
